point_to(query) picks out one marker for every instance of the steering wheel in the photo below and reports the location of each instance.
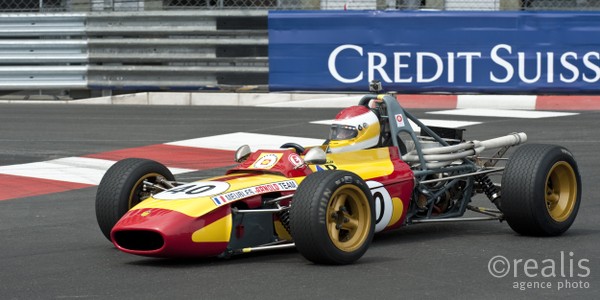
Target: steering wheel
(299, 149)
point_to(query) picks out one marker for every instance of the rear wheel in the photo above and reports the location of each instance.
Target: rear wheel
(122, 187)
(331, 217)
(541, 190)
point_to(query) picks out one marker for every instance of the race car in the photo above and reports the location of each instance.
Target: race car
(374, 173)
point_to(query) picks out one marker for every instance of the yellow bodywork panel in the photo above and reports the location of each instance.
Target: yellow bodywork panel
(367, 164)
(397, 211)
(218, 231)
(238, 186)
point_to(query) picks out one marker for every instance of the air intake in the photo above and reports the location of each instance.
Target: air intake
(139, 240)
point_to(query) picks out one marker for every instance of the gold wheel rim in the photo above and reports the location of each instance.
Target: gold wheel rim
(137, 195)
(561, 191)
(348, 218)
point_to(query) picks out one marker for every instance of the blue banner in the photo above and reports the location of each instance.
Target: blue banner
(450, 52)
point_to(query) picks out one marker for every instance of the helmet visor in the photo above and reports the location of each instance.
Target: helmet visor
(342, 132)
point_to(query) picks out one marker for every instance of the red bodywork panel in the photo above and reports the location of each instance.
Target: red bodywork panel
(284, 162)
(174, 229)
(165, 229)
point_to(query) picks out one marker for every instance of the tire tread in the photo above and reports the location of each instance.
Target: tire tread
(110, 205)
(306, 231)
(523, 188)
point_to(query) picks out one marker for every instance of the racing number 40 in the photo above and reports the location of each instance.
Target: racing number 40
(191, 189)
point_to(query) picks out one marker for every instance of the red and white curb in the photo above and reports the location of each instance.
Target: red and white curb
(64, 174)
(508, 102)
(426, 101)
(502, 113)
(428, 122)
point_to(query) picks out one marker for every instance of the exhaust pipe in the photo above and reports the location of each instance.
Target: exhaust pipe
(447, 154)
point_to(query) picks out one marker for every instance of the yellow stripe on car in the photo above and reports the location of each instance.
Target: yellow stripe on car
(367, 164)
(218, 231)
(196, 207)
(397, 211)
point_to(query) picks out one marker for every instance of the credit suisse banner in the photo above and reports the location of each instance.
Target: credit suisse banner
(427, 51)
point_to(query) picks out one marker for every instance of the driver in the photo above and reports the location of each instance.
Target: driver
(354, 128)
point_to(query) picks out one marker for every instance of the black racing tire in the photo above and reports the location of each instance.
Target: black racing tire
(332, 217)
(541, 190)
(121, 189)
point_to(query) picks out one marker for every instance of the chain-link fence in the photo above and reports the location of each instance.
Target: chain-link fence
(32, 5)
(149, 5)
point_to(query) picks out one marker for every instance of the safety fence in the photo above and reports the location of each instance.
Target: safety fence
(149, 5)
(141, 50)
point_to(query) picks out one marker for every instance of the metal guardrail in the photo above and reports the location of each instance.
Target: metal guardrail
(138, 50)
(188, 50)
(42, 51)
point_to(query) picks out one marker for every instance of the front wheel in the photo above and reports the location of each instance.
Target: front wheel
(331, 217)
(122, 187)
(541, 190)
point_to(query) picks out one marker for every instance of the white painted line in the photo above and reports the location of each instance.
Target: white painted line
(71, 169)
(503, 113)
(336, 102)
(232, 141)
(427, 122)
(497, 101)
(445, 123)
(176, 171)
(322, 122)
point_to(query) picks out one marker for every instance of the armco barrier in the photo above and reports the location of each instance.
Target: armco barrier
(133, 50)
(42, 52)
(176, 50)
(447, 52)
(429, 101)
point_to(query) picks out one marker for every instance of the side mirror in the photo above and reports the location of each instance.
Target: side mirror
(315, 156)
(242, 153)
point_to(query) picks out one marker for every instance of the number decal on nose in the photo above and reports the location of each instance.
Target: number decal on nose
(194, 190)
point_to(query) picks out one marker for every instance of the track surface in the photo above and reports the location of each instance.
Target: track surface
(51, 247)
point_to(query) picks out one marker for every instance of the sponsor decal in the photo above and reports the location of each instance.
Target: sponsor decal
(288, 185)
(399, 120)
(296, 160)
(563, 67)
(329, 165)
(532, 60)
(266, 160)
(194, 190)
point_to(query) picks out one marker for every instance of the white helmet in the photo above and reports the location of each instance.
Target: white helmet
(354, 128)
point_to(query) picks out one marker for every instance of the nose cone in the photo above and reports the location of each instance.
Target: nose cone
(161, 232)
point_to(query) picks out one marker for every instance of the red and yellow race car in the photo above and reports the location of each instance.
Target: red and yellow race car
(375, 173)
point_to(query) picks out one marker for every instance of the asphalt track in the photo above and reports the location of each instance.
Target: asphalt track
(51, 247)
